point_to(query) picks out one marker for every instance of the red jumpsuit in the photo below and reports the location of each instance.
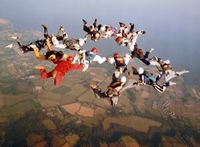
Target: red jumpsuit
(59, 71)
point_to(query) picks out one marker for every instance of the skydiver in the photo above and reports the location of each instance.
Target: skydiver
(92, 31)
(138, 53)
(53, 55)
(132, 37)
(147, 78)
(58, 73)
(129, 39)
(122, 41)
(107, 31)
(29, 47)
(123, 29)
(61, 33)
(120, 63)
(113, 90)
(52, 40)
(59, 36)
(165, 68)
(87, 57)
(48, 42)
(74, 44)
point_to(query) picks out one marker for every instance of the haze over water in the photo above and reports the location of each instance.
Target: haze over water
(172, 26)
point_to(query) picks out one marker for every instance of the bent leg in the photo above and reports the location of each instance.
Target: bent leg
(95, 23)
(58, 78)
(178, 73)
(24, 48)
(114, 100)
(86, 66)
(44, 75)
(145, 61)
(148, 52)
(159, 88)
(45, 31)
(98, 92)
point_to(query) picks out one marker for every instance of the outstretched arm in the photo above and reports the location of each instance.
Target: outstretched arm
(111, 60)
(76, 66)
(38, 55)
(99, 59)
(44, 75)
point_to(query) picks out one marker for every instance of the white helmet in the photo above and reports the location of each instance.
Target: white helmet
(81, 42)
(167, 61)
(123, 79)
(140, 70)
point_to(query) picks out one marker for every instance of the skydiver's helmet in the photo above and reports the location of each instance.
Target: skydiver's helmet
(54, 56)
(81, 42)
(140, 70)
(166, 65)
(167, 61)
(70, 59)
(51, 57)
(116, 55)
(119, 40)
(94, 50)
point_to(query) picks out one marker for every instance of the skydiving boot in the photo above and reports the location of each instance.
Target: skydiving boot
(151, 50)
(45, 27)
(170, 83)
(95, 22)
(45, 30)
(132, 27)
(23, 48)
(178, 73)
(84, 21)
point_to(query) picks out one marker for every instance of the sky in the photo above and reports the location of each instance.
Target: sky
(172, 26)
